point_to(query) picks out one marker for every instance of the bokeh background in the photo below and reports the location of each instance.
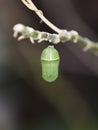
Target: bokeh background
(27, 102)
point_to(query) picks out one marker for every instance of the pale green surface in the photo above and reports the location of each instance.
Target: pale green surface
(50, 64)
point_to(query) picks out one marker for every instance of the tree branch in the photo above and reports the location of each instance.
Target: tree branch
(73, 36)
(61, 36)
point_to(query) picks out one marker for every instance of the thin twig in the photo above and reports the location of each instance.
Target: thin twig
(31, 6)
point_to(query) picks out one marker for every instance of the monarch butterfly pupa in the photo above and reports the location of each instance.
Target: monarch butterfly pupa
(50, 64)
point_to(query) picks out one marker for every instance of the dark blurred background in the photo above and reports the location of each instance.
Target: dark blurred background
(27, 102)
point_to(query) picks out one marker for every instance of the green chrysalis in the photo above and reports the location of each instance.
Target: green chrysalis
(50, 64)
